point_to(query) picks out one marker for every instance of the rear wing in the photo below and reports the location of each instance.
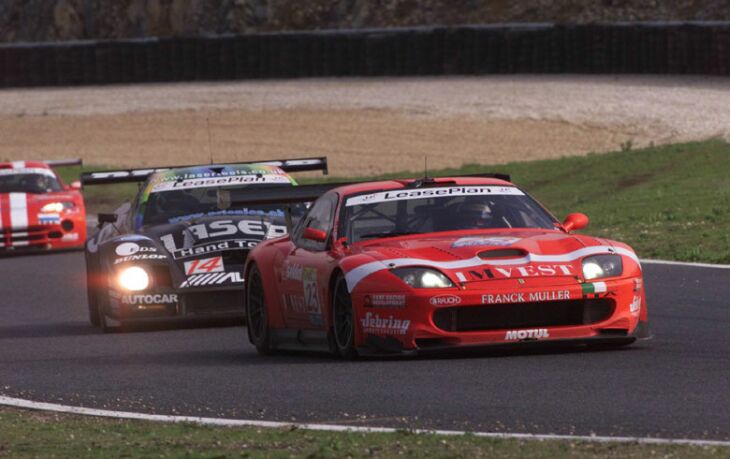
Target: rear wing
(64, 162)
(286, 196)
(140, 175)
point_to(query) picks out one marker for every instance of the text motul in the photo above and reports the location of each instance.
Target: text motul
(535, 333)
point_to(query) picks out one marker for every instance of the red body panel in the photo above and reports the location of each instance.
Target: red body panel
(538, 295)
(23, 224)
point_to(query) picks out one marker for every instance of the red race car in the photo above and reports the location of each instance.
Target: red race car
(404, 266)
(37, 211)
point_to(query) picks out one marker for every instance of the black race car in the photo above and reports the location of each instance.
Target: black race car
(177, 250)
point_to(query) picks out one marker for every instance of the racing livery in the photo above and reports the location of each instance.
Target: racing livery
(177, 250)
(411, 265)
(37, 210)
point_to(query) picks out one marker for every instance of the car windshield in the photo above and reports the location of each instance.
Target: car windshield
(36, 183)
(189, 204)
(426, 210)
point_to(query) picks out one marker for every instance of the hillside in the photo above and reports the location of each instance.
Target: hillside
(52, 20)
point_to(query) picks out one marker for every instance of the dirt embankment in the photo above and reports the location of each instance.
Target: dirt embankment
(365, 126)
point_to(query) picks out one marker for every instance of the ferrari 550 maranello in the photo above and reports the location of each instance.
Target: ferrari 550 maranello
(402, 266)
(37, 210)
(177, 250)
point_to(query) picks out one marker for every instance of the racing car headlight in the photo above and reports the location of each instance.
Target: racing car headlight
(422, 277)
(599, 266)
(134, 279)
(56, 207)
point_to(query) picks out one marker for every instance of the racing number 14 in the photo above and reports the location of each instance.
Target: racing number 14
(205, 265)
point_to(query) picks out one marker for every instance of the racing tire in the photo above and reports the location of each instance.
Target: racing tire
(91, 297)
(104, 324)
(343, 320)
(94, 317)
(257, 317)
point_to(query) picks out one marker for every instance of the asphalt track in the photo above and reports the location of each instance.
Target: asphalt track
(674, 386)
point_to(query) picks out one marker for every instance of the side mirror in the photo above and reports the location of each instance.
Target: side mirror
(106, 218)
(575, 221)
(76, 185)
(314, 234)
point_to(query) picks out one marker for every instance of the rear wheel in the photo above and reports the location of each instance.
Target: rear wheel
(343, 320)
(256, 313)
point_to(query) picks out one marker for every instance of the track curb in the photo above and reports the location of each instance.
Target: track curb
(227, 422)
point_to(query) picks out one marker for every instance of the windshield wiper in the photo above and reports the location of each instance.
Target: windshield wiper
(389, 234)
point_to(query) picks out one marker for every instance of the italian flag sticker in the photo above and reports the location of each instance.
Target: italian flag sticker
(594, 287)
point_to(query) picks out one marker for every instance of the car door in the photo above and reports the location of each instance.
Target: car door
(306, 267)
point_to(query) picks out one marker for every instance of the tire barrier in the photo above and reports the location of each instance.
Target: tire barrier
(637, 48)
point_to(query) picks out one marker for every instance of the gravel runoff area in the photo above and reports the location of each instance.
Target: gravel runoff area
(365, 126)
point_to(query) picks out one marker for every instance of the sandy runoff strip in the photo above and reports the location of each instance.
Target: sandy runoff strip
(364, 126)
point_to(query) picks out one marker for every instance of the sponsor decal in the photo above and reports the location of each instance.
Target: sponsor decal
(247, 179)
(204, 266)
(519, 335)
(638, 284)
(445, 300)
(494, 272)
(382, 300)
(293, 272)
(524, 297)
(214, 247)
(400, 195)
(141, 256)
(49, 219)
(150, 299)
(484, 241)
(222, 228)
(635, 306)
(311, 295)
(70, 237)
(130, 248)
(373, 323)
(199, 280)
(245, 212)
(295, 303)
(593, 287)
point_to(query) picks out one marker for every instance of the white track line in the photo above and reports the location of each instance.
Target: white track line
(53, 407)
(684, 263)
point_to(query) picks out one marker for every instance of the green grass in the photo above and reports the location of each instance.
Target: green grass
(670, 202)
(25, 434)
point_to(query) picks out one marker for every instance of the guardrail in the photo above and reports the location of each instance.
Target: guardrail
(637, 48)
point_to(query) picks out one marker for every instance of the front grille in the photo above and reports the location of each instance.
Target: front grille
(523, 315)
(213, 302)
(14, 237)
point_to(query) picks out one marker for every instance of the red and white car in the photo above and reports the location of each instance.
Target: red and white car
(37, 210)
(409, 265)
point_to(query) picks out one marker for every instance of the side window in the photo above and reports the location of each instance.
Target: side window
(321, 217)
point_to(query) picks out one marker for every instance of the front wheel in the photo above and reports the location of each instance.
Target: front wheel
(92, 295)
(256, 313)
(343, 320)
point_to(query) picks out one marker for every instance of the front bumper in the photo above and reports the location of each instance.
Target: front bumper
(67, 234)
(501, 314)
(169, 305)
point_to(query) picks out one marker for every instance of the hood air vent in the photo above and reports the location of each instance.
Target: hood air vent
(502, 253)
